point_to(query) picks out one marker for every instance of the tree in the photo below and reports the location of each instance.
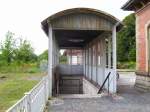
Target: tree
(7, 48)
(16, 50)
(126, 46)
(43, 56)
(63, 59)
(24, 52)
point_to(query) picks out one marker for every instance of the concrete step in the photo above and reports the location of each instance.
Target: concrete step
(81, 95)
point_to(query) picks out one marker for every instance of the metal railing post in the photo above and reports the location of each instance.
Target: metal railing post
(28, 101)
(45, 82)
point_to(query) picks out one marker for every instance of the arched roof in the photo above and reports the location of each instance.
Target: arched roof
(77, 10)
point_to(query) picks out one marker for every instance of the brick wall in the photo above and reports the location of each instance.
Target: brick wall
(143, 19)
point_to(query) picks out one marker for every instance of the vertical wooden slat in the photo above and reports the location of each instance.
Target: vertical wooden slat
(96, 61)
(82, 21)
(109, 52)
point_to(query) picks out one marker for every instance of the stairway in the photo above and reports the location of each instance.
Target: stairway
(71, 84)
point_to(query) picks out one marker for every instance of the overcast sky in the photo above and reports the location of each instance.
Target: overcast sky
(23, 17)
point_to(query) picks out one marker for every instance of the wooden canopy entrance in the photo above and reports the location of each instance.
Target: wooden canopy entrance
(93, 32)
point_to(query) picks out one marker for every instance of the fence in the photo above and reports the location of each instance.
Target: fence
(35, 100)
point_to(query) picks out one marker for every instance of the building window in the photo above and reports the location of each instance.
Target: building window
(72, 57)
(77, 56)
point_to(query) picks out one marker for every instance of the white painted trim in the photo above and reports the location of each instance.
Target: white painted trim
(143, 8)
(50, 59)
(114, 46)
(146, 39)
(137, 47)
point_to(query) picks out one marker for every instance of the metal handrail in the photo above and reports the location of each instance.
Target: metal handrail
(101, 88)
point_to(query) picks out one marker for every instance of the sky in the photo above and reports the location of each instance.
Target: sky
(23, 17)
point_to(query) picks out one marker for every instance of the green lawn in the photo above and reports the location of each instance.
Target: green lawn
(14, 85)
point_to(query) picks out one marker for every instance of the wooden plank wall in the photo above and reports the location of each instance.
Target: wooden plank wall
(82, 21)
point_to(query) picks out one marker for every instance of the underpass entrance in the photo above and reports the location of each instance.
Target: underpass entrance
(89, 37)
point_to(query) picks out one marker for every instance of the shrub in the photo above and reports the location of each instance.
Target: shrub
(20, 68)
(126, 65)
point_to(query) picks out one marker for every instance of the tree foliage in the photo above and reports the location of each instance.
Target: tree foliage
(12, 50)
(43, 56)
(25, 52)
(126, 46)
(63, 59)
(7, 48)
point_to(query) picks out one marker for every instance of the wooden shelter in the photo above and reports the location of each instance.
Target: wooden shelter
(93, 32)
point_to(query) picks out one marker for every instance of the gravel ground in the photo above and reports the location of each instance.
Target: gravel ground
(126, 100)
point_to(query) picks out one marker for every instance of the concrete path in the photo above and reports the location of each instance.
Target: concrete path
(126, 100)
(126, 78)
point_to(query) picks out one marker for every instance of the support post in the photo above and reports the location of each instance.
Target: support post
(114, 57)
(109, 52)
(84, 60)
(88, 62)
(71, 62)
(114, 47)
(50, 63)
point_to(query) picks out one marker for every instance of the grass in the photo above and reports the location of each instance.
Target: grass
(23, 68)
(126, 65)
(14, 85)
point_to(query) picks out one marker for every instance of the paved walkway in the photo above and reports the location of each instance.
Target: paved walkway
(127, 100)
